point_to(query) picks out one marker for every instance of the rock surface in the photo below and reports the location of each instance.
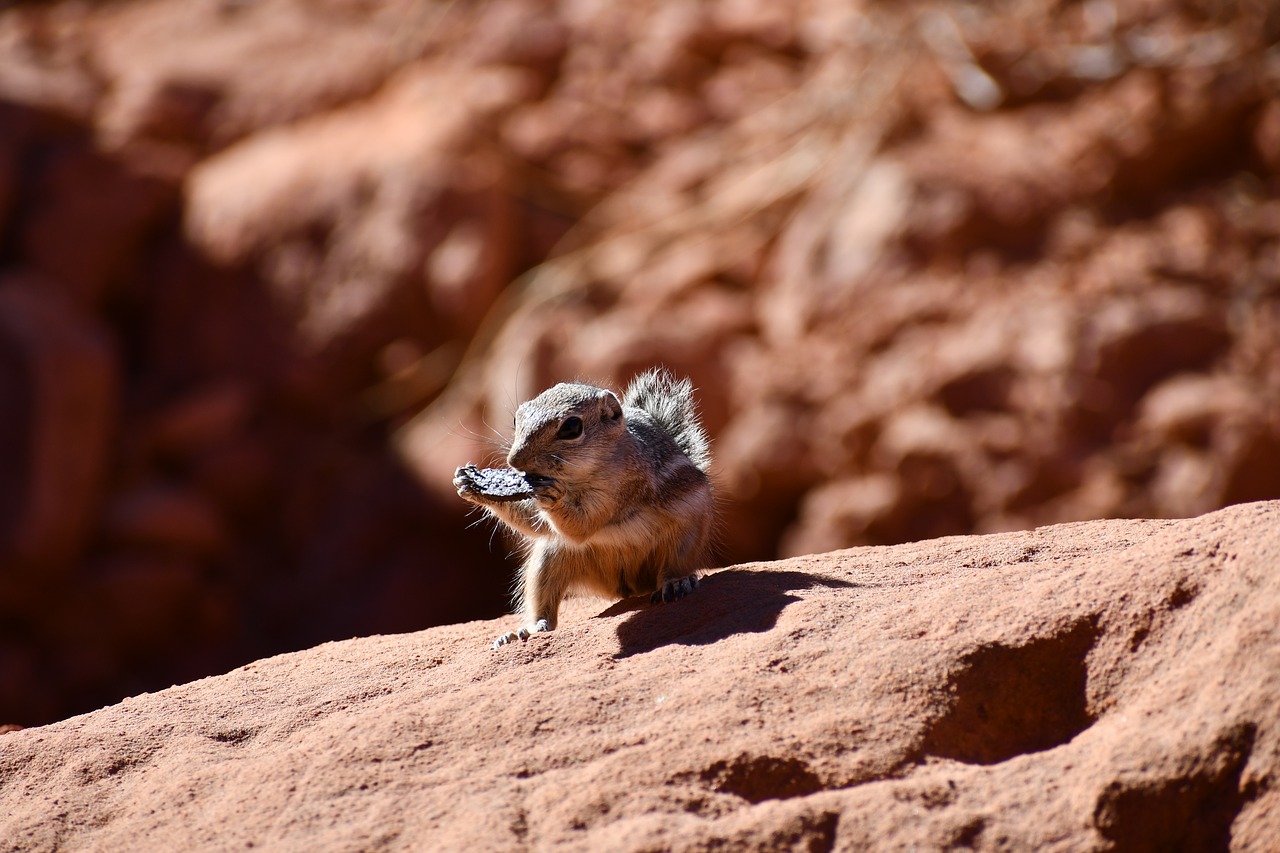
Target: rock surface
(1089, 686)
(270, 271)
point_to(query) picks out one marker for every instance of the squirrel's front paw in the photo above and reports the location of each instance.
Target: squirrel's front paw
(467, 487)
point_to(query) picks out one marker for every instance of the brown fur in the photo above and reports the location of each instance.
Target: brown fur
(620, 509)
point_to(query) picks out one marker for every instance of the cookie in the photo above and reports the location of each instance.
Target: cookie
(499, 484)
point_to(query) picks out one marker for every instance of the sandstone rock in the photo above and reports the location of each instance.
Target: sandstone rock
(88, 219)
(278, 183)
(1106, 685)
(344, 231)
(61, 374)
(163, 516)
(240, 477)
(1186, 408)
(1133, 343)
(203, 419)
(135, 602)
(206, 75)
(1267, 136)
(42, 63)
(1031, 221)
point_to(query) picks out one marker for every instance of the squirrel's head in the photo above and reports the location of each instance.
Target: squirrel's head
(566, 430)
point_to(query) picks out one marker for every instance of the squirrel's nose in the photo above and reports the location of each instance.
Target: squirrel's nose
(517, 457)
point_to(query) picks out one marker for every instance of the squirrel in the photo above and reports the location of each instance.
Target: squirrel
(621, 500)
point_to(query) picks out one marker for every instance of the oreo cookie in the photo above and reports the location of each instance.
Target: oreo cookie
(498, 484)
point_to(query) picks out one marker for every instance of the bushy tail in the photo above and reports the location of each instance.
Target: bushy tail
(670, 402)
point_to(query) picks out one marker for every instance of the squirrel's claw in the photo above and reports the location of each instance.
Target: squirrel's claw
(675, 590)
(522, 633)
(467, 488)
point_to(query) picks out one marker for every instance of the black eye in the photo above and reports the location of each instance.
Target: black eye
(571, 428)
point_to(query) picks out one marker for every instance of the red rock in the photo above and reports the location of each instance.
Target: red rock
(240, 477)
(280, 182)
(210, 74)
(137, 603)
(164, 516)
(811, 213)
(358, 244)
(206, 417)
(62, 378)
(88, 220)
(1186, 408)
(1267, 136)
(42, 66)
(1084, 686)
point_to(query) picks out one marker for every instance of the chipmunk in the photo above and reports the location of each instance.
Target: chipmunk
(620, 503)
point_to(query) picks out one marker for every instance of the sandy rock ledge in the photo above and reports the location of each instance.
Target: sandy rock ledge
(1091, 686)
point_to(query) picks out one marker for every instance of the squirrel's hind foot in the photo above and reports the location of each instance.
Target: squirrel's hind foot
(675, 590)
(522, 633)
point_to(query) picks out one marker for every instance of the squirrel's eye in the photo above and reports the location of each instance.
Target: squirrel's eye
(571, 428)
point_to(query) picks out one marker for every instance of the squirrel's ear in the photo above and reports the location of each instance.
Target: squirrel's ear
(610, 406)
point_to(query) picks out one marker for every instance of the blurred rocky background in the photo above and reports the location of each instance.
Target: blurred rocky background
(271, 269)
